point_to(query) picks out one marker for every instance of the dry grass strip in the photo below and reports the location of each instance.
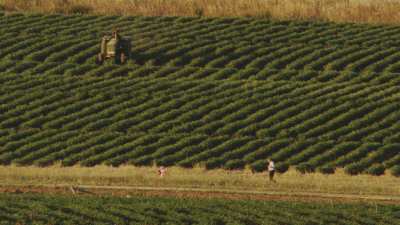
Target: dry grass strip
(358, 11)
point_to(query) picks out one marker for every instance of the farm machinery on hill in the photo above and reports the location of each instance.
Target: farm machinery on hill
(114, 46)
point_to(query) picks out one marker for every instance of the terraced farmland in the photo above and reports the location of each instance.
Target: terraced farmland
(220, 93)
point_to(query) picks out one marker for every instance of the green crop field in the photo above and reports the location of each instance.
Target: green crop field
(219, 93)
(161, 210)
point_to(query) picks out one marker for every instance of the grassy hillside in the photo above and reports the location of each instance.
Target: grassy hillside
(214, 92)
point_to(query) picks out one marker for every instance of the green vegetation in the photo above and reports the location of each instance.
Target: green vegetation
(219, 93)
(48, 209)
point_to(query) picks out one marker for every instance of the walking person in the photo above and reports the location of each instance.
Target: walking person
(162, 171)
(271, 170)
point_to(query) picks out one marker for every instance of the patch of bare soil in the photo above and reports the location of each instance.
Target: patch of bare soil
(194, 193)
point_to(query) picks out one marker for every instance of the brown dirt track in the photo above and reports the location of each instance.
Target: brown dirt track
(119, 191)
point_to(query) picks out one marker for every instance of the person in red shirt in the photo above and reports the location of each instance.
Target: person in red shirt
(161, 171)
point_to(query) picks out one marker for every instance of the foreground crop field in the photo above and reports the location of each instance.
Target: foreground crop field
(160, 210)
(220, 93)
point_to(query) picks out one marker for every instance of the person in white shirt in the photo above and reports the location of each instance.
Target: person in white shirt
(271, 170)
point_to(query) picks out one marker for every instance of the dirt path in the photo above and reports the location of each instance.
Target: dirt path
(129, 191)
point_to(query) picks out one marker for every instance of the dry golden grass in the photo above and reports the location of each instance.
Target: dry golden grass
(289, 182)
(360, 11)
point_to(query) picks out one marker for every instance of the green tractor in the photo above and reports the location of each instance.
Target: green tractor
(116, 47)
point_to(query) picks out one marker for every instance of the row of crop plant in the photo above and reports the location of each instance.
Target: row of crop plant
(221, 28)
(74, 50)
(46, 147)
(224, 108)
(199, 43)
(45, 209)
(10, 70)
